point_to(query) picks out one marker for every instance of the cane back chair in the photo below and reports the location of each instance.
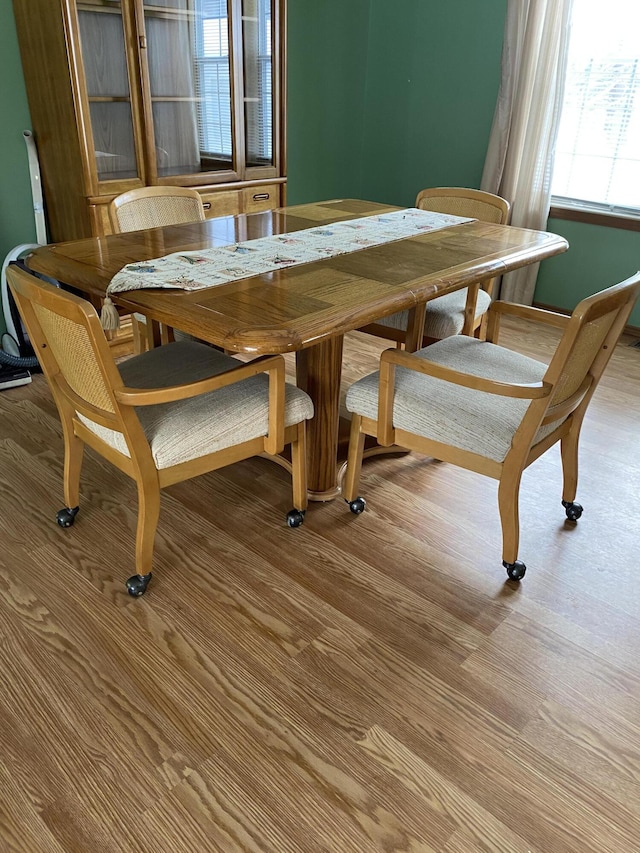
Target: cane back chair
(161, 417)
(489, 409)
(151, 207)
(463, 311)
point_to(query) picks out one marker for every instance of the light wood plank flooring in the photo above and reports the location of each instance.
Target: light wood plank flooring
(359, 684)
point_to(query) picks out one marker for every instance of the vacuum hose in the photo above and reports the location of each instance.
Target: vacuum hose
(29, 362)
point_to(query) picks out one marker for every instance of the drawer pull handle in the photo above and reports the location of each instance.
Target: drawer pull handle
(206, 205)
(260, 196)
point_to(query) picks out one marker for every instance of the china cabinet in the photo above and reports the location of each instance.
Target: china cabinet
(131, 93)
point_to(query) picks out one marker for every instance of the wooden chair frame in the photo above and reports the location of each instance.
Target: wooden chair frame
(620, 298)
(438, 199)
(119, 414)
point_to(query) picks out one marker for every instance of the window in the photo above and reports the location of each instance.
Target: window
(213, 79)
(213, 84)
(597, 161)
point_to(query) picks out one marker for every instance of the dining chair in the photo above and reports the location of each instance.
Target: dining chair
(463, 311)
(151, 207)
(488, 409)
(161, 417)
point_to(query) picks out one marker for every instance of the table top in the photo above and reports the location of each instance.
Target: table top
(294, 308)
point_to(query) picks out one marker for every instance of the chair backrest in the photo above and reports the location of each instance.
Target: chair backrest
(151, 207)
(461, 201)
(587, 344)
(71, 346)
(589, 341)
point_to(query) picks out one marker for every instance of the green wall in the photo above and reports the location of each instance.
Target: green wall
(327, 54)
(597, 257)
(16, 208)
(432, 77)
(412, 115)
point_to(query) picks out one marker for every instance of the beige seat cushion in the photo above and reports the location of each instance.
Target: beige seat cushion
(462, 417)
(191, 428)
(445, 314)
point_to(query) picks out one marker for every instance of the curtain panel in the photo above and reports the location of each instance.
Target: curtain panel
(519, 161)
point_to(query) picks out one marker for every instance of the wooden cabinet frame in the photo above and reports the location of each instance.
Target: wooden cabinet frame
(49, 33)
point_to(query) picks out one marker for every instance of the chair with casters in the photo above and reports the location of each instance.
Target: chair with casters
(162, 416)
(463, 311)
(488, 409)
(151, 207)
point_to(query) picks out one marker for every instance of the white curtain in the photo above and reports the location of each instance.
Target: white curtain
(519, 160)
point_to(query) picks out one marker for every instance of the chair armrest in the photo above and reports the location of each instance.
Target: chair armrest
(526, 391)
(171, 393)
(526, 312)
(274, 365)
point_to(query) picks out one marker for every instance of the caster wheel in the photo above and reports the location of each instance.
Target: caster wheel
(67, 516)
(573, 510)
(516, 571)
(137, 584)
(295, 517)
(357, 505)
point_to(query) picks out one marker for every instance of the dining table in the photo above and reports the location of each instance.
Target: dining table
(306, 308)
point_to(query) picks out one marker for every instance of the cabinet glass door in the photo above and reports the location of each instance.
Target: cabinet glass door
(108, 90)
(257, 41)
(190, 85)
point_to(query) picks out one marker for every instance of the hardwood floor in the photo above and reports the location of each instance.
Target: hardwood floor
(359, 684)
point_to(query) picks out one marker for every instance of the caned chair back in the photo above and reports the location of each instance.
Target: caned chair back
(462, 201)
(152, 207)
(73, 351)
(587, 345)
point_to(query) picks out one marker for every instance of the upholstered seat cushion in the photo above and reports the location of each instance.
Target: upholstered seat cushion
(442, 411)
(445, 314)
(191, 428)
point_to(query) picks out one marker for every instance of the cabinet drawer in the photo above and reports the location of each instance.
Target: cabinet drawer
(260, 198)
(221, 204)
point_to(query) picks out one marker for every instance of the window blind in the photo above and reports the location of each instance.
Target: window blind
(213, 83)
(597, 160)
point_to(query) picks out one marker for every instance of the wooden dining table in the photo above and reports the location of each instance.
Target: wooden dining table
(305, 309)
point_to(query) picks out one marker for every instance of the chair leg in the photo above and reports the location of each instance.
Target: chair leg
(508, 490)
(569, 456)
(354, 466)
(481, 329)
(148, 514)
(166, 334)
(73, 452)
(139, 335)
(295, 517)
(415, 328)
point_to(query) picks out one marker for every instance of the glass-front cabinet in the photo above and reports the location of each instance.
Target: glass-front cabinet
(107, 80)
(186, 92)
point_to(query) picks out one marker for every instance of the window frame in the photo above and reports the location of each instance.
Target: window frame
(594, 212)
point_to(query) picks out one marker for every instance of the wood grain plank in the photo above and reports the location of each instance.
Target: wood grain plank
(475, 823)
